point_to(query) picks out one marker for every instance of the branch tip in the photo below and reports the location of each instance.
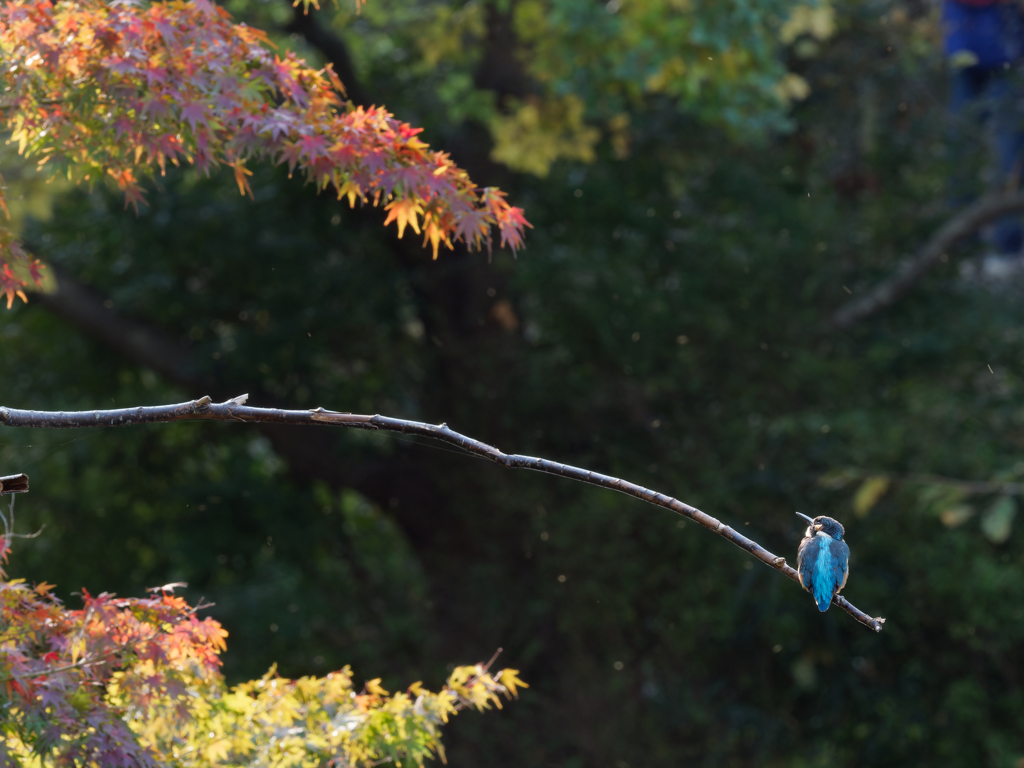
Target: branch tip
(494, 658)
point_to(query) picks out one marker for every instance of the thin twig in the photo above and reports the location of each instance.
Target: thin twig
(234, 410)
(912, 270)
(494, 658)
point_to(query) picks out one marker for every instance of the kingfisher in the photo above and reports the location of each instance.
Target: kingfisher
(823, 560)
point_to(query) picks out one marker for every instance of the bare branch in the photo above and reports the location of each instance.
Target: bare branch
(234, 410)
(912, 270)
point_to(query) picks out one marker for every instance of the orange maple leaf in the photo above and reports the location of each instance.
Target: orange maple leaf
(404, 212)
(433, 234)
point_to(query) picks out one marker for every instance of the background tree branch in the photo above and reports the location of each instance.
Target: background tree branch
(309, 457)
(333, 49)
(235, 410)
(89, 310)
(913, 269)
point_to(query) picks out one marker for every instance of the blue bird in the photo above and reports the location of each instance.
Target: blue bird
(823, 560)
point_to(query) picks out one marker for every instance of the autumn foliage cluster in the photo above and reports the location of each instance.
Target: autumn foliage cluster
(136, 682)
(119, 91)
(114, 93)
(61, 667)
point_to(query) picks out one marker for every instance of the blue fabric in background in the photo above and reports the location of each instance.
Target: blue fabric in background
(992, 32)
(989, 91)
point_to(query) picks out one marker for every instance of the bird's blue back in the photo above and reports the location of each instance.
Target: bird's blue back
(823, 563)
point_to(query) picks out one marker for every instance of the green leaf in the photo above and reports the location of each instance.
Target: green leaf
(997, 520)
(870, 491)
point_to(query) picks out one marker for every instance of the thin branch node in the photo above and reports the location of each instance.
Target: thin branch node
(29, 535)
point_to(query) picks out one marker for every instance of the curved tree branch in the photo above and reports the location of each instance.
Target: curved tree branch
(909, 272)
(236, 410)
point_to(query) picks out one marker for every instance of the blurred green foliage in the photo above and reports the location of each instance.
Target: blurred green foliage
(665, 324)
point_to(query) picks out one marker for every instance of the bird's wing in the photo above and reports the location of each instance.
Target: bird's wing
(806, 556)
(840, 564)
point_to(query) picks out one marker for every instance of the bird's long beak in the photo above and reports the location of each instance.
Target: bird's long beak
(805, 517)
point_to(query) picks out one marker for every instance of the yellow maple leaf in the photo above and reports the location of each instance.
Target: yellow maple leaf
(404, 211)
(509, 678)
(435, 235)
(351, 190)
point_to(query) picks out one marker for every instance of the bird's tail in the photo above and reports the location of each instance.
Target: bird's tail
(822, 595)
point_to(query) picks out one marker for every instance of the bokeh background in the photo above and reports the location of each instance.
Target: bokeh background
(708, 182)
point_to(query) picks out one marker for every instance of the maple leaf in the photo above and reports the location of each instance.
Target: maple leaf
(511, 224)
(290, 152)
(11, 286)
(404, 212)
(333, 77)
(155, 75)
(313, 147)
(121, 65)
(157, 106)
(434, 234)
(376, 161)
(240, 173)
(280, 123)
(194, 112)
(35, 269)
(510, 679)
(472, 226)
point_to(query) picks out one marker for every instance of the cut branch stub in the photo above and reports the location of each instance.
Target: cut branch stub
(14, 484)
(234, 410)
